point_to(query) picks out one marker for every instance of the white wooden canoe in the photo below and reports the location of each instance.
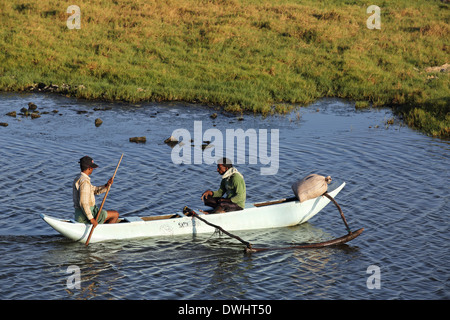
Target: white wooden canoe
(257, 216)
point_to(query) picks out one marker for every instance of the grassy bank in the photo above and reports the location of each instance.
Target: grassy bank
(242, 55)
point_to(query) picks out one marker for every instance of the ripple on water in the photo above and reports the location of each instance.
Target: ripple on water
(396, 189)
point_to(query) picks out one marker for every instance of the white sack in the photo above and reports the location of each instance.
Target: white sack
(310, 187)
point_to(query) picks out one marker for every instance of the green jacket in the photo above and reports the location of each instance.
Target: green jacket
(234, 187)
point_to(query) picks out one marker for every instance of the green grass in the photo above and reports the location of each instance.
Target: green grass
(246, 56)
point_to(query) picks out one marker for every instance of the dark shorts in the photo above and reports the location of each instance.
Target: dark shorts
(80, 217)
(223, 206)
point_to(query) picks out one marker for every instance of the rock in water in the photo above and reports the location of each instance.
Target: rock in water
(138, 139)
(171, 141)
(98, 122)
(31, 106)
(35, 115)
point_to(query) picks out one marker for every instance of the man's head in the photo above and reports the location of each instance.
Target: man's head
(223, 165)
(87, 163)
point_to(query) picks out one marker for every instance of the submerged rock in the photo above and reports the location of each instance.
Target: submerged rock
(35, 115)
(12, 114)
(3, 124)
(98, 122)
(171, 141)
(138, 139)
(206, 144)
(32, 106)
(103, 109)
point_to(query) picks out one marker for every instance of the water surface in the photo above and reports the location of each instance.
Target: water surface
(397, 189)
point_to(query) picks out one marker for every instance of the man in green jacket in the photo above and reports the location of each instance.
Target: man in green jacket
(232, 184)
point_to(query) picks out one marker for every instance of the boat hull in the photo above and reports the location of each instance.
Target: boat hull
(255, 217)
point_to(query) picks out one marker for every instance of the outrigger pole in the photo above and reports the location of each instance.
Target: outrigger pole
(189, 212)
(249, 248)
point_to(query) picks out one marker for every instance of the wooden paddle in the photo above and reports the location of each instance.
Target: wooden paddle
(103, 202)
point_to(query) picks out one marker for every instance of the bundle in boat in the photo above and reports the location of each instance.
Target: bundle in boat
(310, 187)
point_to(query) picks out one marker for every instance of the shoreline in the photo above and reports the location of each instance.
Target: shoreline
(259, 57)
(398, 110)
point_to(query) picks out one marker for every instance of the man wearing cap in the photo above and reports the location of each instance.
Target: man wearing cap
(84, 196)
(232, 184)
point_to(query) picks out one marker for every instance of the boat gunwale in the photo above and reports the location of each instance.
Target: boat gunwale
(172, 216)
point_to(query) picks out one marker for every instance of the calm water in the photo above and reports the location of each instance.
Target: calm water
(397, 189)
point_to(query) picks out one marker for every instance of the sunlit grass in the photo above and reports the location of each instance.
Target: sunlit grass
(247, 56)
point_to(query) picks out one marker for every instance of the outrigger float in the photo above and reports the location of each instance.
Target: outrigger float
(271, 214)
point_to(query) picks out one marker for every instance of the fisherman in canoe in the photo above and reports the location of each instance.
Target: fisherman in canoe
(84, 196)
(232, 184)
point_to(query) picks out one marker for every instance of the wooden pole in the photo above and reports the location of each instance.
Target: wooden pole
(333, 242)
(249, 248)
(340, 211)
(193, 213)
(103, 202)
